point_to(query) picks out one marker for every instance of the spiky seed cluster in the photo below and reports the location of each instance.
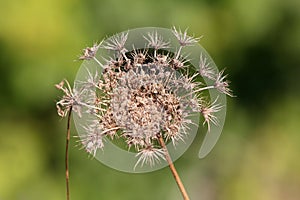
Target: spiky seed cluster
(143, 95)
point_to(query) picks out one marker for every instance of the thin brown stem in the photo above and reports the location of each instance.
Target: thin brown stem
(67, 153)
(173, 169)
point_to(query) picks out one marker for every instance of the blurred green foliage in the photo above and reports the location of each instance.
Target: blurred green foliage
(257, 41)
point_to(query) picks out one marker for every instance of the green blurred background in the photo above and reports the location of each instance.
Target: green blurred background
(257, 156)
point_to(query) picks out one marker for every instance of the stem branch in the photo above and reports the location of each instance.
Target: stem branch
(67, 153)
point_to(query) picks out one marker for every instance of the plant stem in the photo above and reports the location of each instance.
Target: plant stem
(173, 169)
(67, 153)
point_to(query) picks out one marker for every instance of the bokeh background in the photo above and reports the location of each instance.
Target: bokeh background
(257, 41)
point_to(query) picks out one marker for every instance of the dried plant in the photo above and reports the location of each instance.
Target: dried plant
(143, 97)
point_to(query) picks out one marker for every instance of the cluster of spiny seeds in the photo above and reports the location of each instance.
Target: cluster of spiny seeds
(142, 95)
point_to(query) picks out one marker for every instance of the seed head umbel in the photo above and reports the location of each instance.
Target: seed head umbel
(141, 95)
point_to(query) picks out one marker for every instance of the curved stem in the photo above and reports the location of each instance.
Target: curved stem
(173, 169)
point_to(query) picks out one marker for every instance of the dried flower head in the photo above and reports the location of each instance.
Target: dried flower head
(89, 52)
(143, 94)
(117, 43)
(184, 39)
(204, 68)
(70, 100)
(222, 85)
(156, 41)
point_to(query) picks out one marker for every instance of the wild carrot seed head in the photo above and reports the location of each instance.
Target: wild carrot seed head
(137, 92)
